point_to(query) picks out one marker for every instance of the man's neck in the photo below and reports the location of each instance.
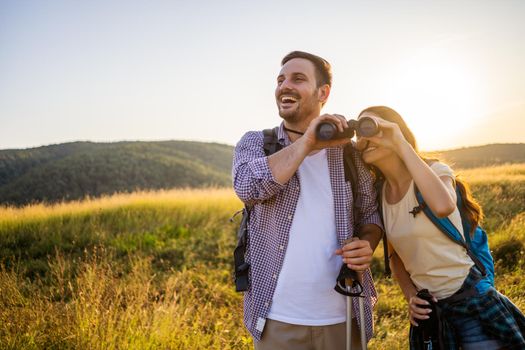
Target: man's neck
(298, 127)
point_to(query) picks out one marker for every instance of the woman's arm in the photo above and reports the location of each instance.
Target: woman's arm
(438, 192)
(402, 277)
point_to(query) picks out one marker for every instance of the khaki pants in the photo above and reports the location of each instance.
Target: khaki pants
(283, 336)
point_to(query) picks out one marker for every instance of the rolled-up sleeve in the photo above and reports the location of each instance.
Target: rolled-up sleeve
(253, 180)
(367, 208)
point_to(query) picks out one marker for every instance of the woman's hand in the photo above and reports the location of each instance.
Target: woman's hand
(389, 136)
(416, 311)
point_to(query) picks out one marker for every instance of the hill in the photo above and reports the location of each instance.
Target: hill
(75, 170)
(79, 169)
(481, 156)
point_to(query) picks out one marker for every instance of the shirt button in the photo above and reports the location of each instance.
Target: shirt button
(274, 276)
(267, 304)
(281, 247)
(289, 217)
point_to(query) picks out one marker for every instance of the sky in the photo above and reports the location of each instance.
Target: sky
(108, 70)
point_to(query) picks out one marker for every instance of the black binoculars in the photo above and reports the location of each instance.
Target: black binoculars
(364, 126)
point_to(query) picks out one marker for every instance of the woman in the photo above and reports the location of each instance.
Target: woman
(424, 258)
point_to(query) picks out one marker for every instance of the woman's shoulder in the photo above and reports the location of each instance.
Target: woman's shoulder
(440, 168)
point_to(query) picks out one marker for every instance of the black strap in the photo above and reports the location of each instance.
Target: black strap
(241, 266)
(293, 131)
(379, 191)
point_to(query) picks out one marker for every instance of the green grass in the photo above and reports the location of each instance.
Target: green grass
(153, 270)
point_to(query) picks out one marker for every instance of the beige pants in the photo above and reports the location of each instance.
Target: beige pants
(283, 336)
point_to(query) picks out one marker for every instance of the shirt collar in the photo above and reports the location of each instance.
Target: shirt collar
(282, 136)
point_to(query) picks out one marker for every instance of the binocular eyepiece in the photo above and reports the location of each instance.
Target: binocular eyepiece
(364, 126)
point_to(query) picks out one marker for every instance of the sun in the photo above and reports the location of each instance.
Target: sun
(440, 94)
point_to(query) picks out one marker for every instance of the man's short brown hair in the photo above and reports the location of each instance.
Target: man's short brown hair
(323, 69)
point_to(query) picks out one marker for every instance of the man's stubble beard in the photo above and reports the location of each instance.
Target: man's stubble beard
(300, 113)
(291, 116)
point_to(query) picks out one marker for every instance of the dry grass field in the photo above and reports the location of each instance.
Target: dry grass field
(152, 270)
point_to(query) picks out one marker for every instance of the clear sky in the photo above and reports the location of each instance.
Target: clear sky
(105, 70)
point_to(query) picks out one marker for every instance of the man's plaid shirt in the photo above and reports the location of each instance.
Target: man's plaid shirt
(273, 207)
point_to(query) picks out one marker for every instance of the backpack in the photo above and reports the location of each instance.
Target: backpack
(477, 246)
(271, 146)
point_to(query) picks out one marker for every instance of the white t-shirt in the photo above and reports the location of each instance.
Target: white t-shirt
(305, 292)
(430, 257)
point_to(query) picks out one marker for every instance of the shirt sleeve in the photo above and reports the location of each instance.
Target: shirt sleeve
(442, 169)
(366, 206)
(253, 180)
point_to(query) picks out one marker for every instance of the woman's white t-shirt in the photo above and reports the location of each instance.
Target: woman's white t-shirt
(432, 260)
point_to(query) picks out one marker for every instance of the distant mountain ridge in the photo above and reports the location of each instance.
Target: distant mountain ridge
(487, 155)
(78, 169)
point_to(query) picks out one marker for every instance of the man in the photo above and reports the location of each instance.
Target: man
(302, 212)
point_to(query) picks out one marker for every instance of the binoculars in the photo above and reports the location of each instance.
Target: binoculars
(364, 126)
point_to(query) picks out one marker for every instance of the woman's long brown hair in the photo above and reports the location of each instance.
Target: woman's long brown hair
(471, 210)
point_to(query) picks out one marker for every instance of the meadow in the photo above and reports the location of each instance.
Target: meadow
(153, 270)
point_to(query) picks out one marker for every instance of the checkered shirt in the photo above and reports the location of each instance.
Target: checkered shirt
(273, 207)
(499, 317)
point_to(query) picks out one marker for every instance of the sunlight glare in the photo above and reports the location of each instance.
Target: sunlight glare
(440, 95)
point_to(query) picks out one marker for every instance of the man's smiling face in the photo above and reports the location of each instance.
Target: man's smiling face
(297, 94)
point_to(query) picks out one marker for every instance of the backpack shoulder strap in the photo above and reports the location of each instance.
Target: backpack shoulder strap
(447, 227)
(444, 224)
(241, 267)
(271, 142)
(378, 185)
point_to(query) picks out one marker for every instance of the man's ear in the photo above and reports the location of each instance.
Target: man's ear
(323, 92)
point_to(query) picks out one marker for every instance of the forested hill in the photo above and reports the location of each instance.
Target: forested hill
(75, 170)
(79, 169)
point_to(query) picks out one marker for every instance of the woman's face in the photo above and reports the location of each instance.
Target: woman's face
(372, 152)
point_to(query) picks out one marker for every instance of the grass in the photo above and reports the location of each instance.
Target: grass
(152, 270)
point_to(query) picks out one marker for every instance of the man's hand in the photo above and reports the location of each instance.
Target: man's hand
(285, 163)
(311, 140)
(357, 255)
